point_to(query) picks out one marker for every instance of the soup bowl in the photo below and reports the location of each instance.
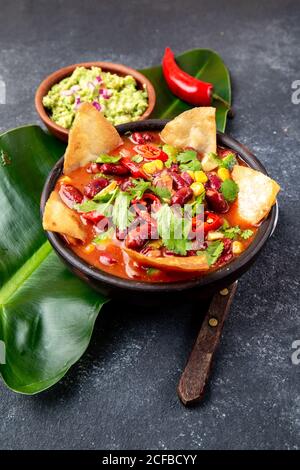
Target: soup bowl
(201, 286)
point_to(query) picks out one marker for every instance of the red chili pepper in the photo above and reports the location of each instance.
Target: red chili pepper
(186, 87)
(147, 197)
(138, 201)
(150, 152)
(93, 216)
(216, 222)
(134, 169)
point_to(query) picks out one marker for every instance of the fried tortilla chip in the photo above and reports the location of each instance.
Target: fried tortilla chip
(171, 263)
(194, 128)
(90, 135)
(59, 218)
(257, 193)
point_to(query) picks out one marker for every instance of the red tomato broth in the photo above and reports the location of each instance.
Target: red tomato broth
(121, 265)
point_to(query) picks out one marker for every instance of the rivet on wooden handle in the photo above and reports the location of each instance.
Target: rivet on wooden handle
(193, 380)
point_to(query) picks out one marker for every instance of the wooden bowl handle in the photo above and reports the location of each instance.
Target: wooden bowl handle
(194, 378)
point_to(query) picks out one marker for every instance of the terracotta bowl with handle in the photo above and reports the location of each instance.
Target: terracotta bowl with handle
(57, 76)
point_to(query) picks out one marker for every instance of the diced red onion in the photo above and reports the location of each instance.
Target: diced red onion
(77, 102)
(106, 94)
(71, 91)
(97, 105)
(75, 88)
(66, 92)
(98, 80)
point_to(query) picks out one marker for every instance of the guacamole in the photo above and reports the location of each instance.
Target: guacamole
(117, 97)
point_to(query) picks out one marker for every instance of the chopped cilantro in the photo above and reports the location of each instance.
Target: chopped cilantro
(196, 203)
(225, 225)
(247, 234)
(172, 153)
(161, 192)
(229, 190)
(188, 160)
(137, 158)
(152, 271)
(121, 216)
(213, 251)
(104, 236)
(86, 206)
(104, 158)
(232, 232)
(229, 161)
(103, 208)
(137, 191)
(187, 156)
(104, 195)
(173, 230)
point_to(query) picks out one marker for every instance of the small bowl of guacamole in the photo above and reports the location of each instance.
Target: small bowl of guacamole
(121, 93)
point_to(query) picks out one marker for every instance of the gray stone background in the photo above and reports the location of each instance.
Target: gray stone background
(122, 394)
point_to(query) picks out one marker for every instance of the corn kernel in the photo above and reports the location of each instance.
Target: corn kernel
(200, 176)
(237, 248)
(110, 187)
(89, 248)
(65, 180)
(197, 188)
(159, 164)
(191, 173)
(149, 168)
(214, 236)
(224, 174)
(153, 167)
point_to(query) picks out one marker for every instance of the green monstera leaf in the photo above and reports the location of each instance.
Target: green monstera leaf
(204, 64)
(46, 314)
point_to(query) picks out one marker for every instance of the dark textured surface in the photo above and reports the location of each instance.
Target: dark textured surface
(122, 394)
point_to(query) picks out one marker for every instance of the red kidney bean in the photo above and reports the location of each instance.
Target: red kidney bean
(174, 168)
(137, 237)
(94, 168)
(226, 253)
(93, 216)
(178, 181)
(120, 234)
(103, 225)
(167, 252)
(216, 201)
(182, 196)
(187, 178)
(126, 184)
(214, 182)
(70, 195)
(197, 245)
(107, 260)
(152, 251)
(94, 187)
(114, 169)
(141, 138)
(142, 231)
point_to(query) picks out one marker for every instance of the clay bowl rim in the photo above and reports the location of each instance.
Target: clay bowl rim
(241, 264)
(58, 75)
